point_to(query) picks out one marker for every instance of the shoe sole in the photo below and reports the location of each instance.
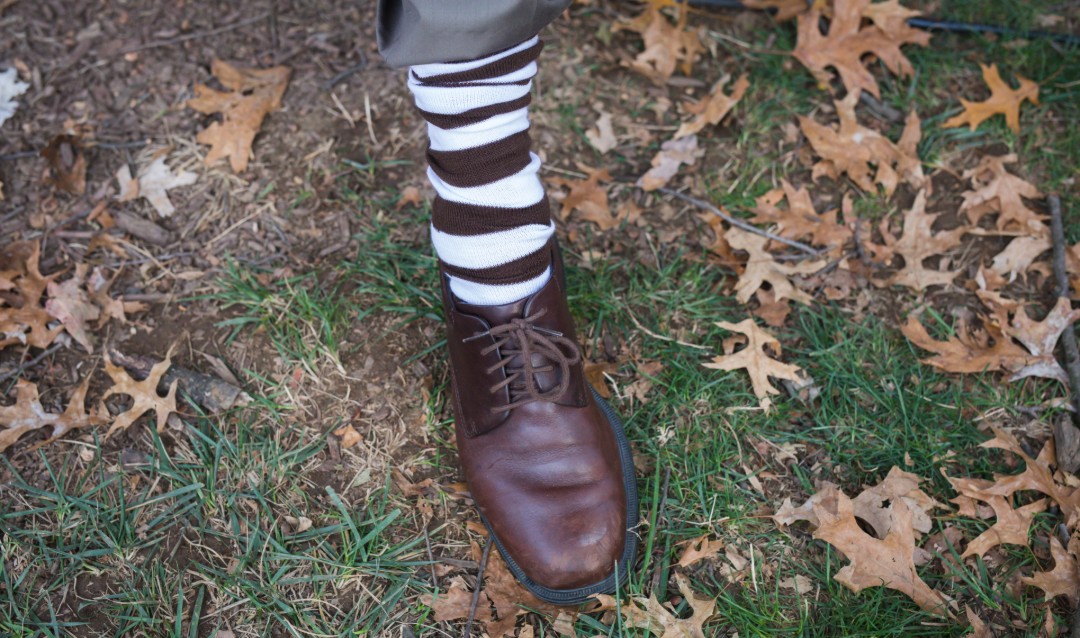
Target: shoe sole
(578, 595)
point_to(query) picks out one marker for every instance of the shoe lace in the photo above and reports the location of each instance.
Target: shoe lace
(522, 337)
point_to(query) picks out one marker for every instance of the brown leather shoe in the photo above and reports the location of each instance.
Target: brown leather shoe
(546, 459)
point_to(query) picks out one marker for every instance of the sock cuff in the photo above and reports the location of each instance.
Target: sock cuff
(489, 68)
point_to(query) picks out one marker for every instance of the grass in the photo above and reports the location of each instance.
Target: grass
(192, 537)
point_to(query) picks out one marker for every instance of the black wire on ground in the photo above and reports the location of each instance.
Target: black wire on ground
(936, 25)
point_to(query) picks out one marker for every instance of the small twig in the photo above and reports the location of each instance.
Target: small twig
(857, 236)
(18, 155)
(735, 221)
(662, 337)
(476, 590)
(29, 364)
(193, 36)
(431, 558)
(343, 75)
(121, 146)
(1068, 337)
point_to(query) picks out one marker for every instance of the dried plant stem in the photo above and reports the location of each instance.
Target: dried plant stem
(476, 590)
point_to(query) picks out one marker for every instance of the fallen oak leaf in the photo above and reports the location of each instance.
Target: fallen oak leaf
(10, 88)
(888, 562)
(1041, 337)
(897, 485)
(144, 394)
(968, 352)
(713, 108)
(252, 95)
(98, 287)
(758, 364)
(847, 42)
(699, 549)
(761, 268)
(852, 148)
(1012, 526)
(157, 179)
(28, 323)
(997, 190)
(602, 135)
(586, 195)
(67, 163)
(27, 414)
(69, 303)
(1003, 100)
(917, 243)
(1064, 579)
(800, 220)
(673, 154)
(666, 44)
(649, 613)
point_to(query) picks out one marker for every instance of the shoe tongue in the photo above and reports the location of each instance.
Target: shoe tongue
(498, 315)
(494, 315)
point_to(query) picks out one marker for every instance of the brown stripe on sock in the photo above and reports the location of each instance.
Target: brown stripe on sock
(522, 269)
(495, 69)
(454, 218)
(482, 164)
(472, 116)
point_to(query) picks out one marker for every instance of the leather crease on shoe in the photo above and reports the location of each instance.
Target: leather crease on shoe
(520, 339)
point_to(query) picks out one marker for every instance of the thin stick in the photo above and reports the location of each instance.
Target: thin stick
(431, 558)
(476, 590)
(1068, 337)
(194, 36)
(735, 221)
(340, 77)
(660, 336)
(29, 364)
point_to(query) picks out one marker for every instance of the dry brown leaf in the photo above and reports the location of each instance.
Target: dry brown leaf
(998, 191)
(897, 485)
(252, 95)
(586, 195)
(98, 287)
(67, 164)
(978, 627)
(1012, 526)
(917, 243)
(847, 42)
(69, 303)
(27, 414)
(1019, 255)
(772, 311)
(602, 135)
(852, 148)
(595, 374)
(144, 395)
(157, 179)
(673, 154)
(454, 603)
(129, 186)
(699, 549)
(827, 497)
(1064, 579)
(27, 323)
(348, 435)
(1003, 99)
(1040, 338)
(762, 269)
(756, 360)
(714, 107)
(968, 352)
(887, 562)
(799, 220)
(410, 196)
(651, 614)
(785, 9)
(666, 44)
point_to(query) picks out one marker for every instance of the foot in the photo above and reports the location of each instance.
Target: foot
(546, 460)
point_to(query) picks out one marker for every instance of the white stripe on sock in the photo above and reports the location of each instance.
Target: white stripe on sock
(488, 295)
(452, 100)
(490, 130)
(442, 68)
(516, 191)
(490, 249)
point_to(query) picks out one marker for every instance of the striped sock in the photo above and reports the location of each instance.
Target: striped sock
(491, 222)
